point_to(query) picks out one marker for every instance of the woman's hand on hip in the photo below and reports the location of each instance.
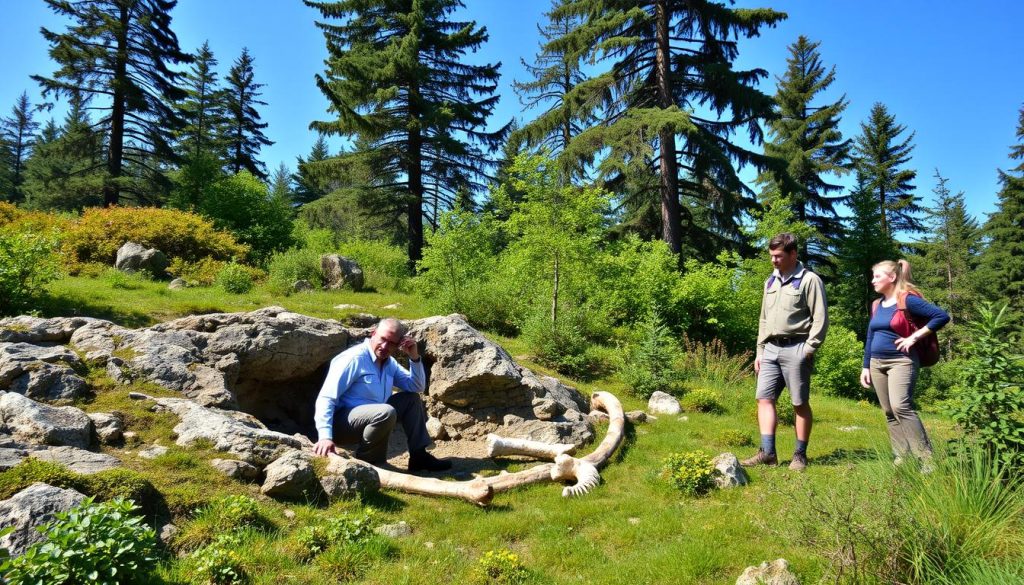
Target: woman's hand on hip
(865, 378)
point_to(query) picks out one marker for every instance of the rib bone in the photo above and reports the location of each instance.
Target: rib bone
(497, 446)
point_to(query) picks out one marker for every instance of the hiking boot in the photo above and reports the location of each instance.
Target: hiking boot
(799, 462)
(761, 458)
(423, 461)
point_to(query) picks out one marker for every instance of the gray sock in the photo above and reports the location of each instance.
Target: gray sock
(768, 444)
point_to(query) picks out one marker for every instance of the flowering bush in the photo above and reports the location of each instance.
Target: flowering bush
(691, 472)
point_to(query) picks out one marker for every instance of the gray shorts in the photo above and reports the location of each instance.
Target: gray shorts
(788, 367)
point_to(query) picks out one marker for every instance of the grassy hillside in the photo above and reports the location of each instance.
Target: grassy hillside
(634, 528)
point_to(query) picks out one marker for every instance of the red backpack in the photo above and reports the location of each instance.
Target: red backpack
(904, 324)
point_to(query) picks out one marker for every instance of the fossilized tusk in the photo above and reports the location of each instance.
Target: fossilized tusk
(497, 446)
(583, 472)
(475, 491)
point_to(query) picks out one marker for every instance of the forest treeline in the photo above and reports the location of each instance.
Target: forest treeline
(637, 105)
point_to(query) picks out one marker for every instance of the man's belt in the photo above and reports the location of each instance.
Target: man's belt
(783, 341)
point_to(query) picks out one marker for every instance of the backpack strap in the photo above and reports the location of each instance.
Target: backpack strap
(771, 280)
(874, 306)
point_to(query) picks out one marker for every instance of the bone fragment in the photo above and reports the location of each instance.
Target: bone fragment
(498, 446)
(584, 473)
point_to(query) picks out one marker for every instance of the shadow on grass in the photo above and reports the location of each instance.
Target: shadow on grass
(65, 306)
(846, 456)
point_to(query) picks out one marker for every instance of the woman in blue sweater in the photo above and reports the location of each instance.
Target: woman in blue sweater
(890, 360)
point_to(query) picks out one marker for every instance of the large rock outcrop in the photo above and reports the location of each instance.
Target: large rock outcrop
(31, 508)
(34, 423)
(41, 372)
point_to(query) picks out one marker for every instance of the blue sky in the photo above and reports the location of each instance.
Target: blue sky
(949, 71)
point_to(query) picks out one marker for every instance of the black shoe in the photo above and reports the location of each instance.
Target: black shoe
(423, 461)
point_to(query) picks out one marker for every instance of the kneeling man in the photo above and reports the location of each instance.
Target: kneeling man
(356, 401)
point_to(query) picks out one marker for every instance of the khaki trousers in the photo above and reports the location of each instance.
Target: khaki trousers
(894, 381)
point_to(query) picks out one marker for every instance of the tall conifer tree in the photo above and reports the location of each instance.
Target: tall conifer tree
(309, 179)
(806, 136)
(203, 109)
(881, 155)
(672, 104)
(120, 50)
(18, 136)
(398, 81)
(1002, 263)
(243, 133)
(67, 170)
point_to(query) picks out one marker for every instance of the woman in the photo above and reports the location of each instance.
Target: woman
(890, 360)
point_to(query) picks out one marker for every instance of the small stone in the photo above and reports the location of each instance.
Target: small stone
(663, 403)
(153, 452)
(546, 408)
(393, 306)
(636, 417)
(428, 545)
(511, 419)
(109, 427)
(289, 476)
(435, 429)
(634, 521)
(77, 460)
(289, 514)
(730, 472)
(11, 456)
(773, 573)
(348, 307)
(302, 286)
(167, 533)
(397, 530)
(177, 284)
(349, 478)
(597, 416)
(236, 469)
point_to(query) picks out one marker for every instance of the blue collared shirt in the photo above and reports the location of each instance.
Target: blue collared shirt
(355, 379)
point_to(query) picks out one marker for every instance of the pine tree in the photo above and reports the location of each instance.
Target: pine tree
(18, 135)
(243, 133)
(309, 179)
(671, 103)
(119, 51)
(1002, 262)
(398, 82)
(281, 184)
(948, 256)
(67, 170)
(861, 246)
(203, 109)
(806, 136)
(555, 73)
(880, 155)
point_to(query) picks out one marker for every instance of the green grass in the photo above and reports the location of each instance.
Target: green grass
(634, 528)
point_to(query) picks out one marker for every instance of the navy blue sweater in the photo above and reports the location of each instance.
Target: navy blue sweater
(881, 341)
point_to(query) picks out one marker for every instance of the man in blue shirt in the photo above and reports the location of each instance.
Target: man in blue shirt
(356, 401)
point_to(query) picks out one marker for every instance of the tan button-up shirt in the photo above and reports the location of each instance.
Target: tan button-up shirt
(787, 311)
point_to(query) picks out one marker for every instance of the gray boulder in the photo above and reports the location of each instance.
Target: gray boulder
(77, 460)
(730, 472)
(663, 403)
(341, 272)
(133, 257)
(11, 456)
(41, 372)
(348, 478)
(109, 427)
(29, 329)
(290, 476)
(31, 508)
(38, 424)
(773, 573)
(300, 286)
(177, 284)
(235, 469)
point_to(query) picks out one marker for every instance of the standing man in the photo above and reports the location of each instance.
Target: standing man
(356, 401)
(792, 326)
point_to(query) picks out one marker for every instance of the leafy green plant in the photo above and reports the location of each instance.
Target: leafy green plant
(702, 400)
(202, 272)
(648, 364)
(93, 542)
(989, 408)
(736, 438)
(563, 345)
(235, 278)
(219, 516)
(315, 539)
(692, 472)
(837, 365)
(383, 264)
(27, 263)
(220, 562)
(501, 567)
(296, 264)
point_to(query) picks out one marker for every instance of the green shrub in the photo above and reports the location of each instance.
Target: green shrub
(500, 567)
(315, 539)
(27, 263)
(989, 407)
(296, 264)
(837, 365)
(939, 382)
(648, 364)
(565, 346)
(702, 400)
(383, 264)
(202, 272)
(220, 562)
(235, 278)
(736, 438)
(99, 233)
(637, 280)
(92, 543)
(720, 300)
(711, 362)
(692, 473)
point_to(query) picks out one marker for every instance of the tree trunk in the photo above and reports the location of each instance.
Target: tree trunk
(115, 156)
(671, 225)
(415, 173)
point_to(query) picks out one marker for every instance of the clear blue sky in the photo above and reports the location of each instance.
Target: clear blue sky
(949, 71)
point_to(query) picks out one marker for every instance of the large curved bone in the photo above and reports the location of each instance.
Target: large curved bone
(497, 446)
(583, 472)
(480, 491)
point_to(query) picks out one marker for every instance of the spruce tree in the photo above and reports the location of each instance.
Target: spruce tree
(556, 71)
(243, 133)
(202, 111)
(120, 51)
(398, 82)
(671, 102)
(1002, 262)
(880, 157)
(806, 136)
(309, 179)
(18, 136)
(948, 256)
(281, 184)
(67, 170)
